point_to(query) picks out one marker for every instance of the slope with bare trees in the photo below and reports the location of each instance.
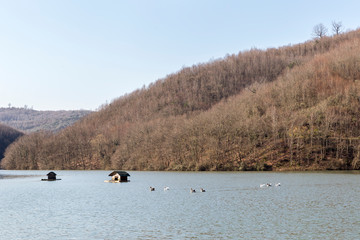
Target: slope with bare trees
(7, 136)
(30, 120)
(294, 107)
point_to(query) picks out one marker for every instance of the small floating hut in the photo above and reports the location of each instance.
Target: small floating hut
(51, 177)
(119, 176)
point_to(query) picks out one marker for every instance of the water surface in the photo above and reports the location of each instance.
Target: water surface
(81, 206)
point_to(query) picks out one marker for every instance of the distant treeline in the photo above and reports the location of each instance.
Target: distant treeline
(294, 107)
(29, 120)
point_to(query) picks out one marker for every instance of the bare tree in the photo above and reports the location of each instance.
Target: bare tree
(337, 27)
(319, 30)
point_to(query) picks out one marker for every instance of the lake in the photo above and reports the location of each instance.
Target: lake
(307, 205)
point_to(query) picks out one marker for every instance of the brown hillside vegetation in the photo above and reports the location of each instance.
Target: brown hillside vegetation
(7, 136)
(295, 107)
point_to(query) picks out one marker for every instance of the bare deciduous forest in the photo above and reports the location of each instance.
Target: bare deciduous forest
(29, 120)
(7, 136)
(290, 108)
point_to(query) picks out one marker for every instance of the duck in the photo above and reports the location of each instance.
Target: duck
(152, 189)
(265, 185)
(277, 185)
(192, 190)
(166, 188)
(202, 190)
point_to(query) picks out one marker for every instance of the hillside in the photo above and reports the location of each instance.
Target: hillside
(29, 120)
(294, 107)
(7, 136)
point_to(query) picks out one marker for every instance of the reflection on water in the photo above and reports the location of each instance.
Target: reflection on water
(82, 206)
(14, 175)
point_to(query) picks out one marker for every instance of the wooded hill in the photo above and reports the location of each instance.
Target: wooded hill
(29, 120)
(294, 107)
(7, 136)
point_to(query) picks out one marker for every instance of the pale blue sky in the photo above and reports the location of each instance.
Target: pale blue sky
(81, 54)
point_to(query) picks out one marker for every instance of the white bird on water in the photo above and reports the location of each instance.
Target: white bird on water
(166, 188)
(265, 185)
(152, 189)
(202, 190)
(192, 190)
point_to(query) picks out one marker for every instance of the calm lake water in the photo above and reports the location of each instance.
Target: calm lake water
(317, 205)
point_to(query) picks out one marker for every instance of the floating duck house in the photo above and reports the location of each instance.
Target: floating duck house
(119, 176)
(51, 177)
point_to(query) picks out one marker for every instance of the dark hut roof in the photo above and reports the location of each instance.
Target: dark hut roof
(51, 174)
(121, 173)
